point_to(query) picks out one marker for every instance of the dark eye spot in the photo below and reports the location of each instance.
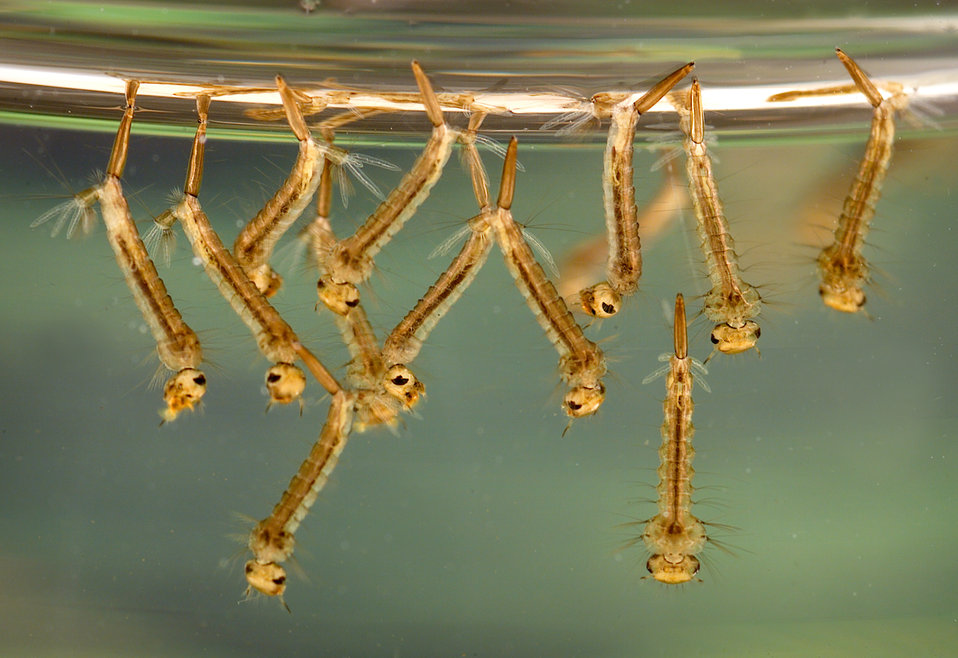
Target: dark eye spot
(272, 378)
(279, 581)
(320, 284)
(758, 332)
(608, 308)
(200, 379)
(575, 406)
(399, 380)
(714, 339)
(352, 303)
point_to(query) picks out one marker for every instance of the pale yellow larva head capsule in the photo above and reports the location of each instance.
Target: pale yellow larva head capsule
(600, 300)
(674, 568)
(268, 578)
(184, 390)
(400, 382)
(847, 299)
(732, 340)
(337, 297)
(266, 280)
(584, 400)
(285, 383)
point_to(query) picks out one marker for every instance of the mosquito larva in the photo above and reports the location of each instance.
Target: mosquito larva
(731, 303)
(407, 338)
(581, 362)
(254, 245)
(177, 345)
(351, 260)
(674, 536)
(841, 266)
(624, 267)
(273, 539)
(382, 389)
(580, 265)
(275, 338)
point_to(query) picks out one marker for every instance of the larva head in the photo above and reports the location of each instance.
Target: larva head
(184, 390)
(268, 578)
(600, 300)
(732, 340)
(266, 280)
(584, 400)
(285, 383)
(847, 299)
(673, 568)
(400, 382)
(337, 297)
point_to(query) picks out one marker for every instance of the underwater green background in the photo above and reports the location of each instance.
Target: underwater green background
(826, 464)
